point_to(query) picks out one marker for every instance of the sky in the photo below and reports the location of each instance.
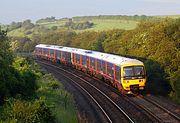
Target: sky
(19, 10)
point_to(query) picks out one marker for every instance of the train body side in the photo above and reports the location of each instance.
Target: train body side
(99, 65)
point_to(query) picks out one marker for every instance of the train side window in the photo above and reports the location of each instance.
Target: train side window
(92, 63)
(78, 58)
(40, 50)
(45, 51)
(58, 54)
(66, 56)
(99, 65)
(110, 69)
(63, 55)
(84, 60)
(118, 71)
(69, 56)
(103, 66)
(51, 52)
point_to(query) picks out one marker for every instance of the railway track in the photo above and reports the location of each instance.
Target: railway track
(156, 110)
(108, 107)
(150, 108)
(172, 107)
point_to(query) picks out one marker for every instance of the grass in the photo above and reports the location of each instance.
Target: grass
(59, 23)
(109, 24)
(169, 16)
(100, 24)
(60, 101)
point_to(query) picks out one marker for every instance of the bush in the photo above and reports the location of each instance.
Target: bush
(18, 111)
(53, 84)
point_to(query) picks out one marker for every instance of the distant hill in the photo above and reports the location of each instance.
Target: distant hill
(80, 24)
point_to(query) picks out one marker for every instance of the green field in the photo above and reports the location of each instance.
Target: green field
(99, 24)
(110, 24)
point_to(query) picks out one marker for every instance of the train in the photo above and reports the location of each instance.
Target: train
(126, 74)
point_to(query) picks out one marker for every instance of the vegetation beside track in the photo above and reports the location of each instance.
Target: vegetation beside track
(28, 94)
(60, 101)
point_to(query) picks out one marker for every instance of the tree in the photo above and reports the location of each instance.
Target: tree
(99, 42)
(6, 59)
(27, 24)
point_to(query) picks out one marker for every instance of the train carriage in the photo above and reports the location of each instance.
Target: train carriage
(124, 73)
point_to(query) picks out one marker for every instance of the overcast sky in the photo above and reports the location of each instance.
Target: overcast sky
(19, 10)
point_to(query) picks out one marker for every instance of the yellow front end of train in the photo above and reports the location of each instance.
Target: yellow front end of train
(133, 77)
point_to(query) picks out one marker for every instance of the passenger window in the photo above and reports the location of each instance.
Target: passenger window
(118, 71)
(110, 69)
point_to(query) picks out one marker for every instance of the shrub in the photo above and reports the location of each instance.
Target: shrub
(19, 111)
(53, 84)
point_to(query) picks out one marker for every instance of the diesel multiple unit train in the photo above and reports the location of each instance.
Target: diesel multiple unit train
(126, 74)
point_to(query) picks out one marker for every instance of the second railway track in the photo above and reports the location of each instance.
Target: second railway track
(159, 112)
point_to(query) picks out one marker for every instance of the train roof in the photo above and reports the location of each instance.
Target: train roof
(115, 59)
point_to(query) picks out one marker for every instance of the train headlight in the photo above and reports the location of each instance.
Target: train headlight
(125, 82)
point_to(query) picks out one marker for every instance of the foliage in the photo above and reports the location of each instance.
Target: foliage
(14, 26)
(158, 44)
(54, 27)
(53, 84)
(19, 91)
(19, 111)
(117, 17)
(29, 86)
(47, 19)
(60, 101)
(6, 59)
(22, 44)
(13, 80)
(78, 26)
(25, 24)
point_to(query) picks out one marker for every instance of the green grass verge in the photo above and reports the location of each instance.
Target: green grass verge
(60, 101)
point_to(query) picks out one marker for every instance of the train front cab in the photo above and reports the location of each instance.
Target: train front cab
(133, 77)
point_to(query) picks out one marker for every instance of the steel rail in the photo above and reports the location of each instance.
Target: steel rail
(161, 107)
